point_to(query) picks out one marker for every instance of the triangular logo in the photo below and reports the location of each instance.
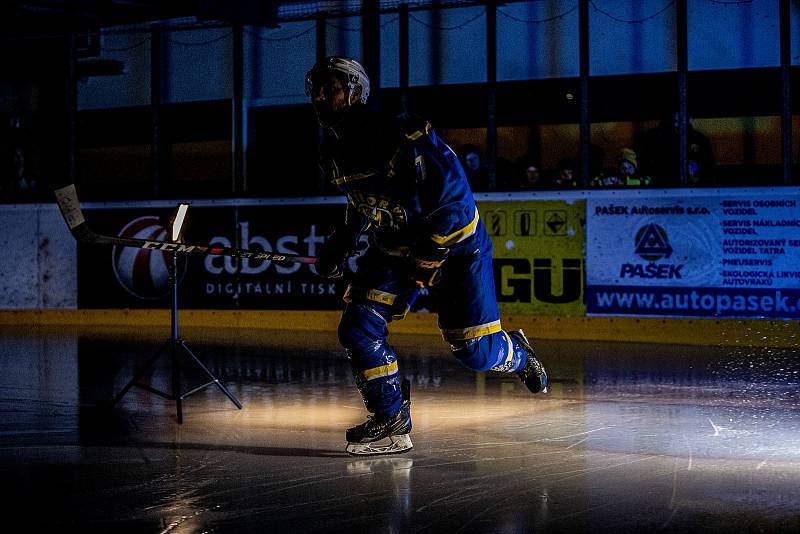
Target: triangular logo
(652, 243)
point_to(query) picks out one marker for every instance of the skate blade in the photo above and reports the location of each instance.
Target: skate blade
(396, 444)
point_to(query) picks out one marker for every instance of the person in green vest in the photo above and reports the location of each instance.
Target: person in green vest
(626, 173)
(628, 170)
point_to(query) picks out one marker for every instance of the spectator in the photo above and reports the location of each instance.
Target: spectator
(565, 174)
(606, 178)
(628, 169)
(18, 178)
(626, 174)
(24, 183)
(528, 174)
(477, 173)
(659, 155)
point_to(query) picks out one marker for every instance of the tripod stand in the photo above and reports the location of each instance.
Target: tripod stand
(174, 345)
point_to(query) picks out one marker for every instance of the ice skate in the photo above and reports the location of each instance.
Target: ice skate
(533, 373)
(381, 435)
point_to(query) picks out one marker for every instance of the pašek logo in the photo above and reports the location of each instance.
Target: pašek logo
(652, 245)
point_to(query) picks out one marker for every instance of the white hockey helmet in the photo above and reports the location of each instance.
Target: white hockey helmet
(351, 69)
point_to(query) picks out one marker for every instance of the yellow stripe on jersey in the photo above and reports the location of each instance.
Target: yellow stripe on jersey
(458, 235)
(472, 332)
(381, 296)
(383, 370)
(374, 295)
(416, 135)
(353, 178)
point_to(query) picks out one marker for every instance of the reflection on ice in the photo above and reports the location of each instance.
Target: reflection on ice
(631, 437)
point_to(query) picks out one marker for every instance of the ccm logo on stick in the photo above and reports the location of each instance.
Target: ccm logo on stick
(172, 247)
(177, 247)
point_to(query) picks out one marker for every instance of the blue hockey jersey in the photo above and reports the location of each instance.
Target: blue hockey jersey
(402, 182)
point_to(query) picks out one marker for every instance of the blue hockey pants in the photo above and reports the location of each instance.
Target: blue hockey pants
(383, 290)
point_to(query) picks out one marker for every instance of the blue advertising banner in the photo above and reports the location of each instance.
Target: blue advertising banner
(724, 253)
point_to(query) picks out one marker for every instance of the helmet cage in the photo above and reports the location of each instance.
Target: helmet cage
(353, 72)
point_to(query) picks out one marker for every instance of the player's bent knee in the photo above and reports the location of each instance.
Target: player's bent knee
(360, 327)
(473, 353)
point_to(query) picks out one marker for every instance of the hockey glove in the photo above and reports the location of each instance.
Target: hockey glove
(427, 263)
(332, 258)
(329, 267)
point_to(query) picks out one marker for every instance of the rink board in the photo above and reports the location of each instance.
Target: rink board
(715, 253)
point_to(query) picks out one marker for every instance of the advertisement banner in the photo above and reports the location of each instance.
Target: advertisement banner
(122, 277)
(717, 255)
(538, 258)
(538, 255)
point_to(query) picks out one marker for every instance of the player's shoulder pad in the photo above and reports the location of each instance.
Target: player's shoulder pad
(413, 126)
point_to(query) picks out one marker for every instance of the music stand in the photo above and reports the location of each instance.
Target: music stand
(175, 344)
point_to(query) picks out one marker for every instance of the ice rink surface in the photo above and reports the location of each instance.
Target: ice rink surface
(630, 438)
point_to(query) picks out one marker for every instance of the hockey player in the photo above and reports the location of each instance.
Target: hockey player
(407, 190)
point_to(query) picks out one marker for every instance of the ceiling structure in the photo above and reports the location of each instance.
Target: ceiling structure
(47, 17)
(32, 18)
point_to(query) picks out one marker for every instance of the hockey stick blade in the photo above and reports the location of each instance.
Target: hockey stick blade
(67, 199)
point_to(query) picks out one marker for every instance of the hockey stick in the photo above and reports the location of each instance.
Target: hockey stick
(67, 198)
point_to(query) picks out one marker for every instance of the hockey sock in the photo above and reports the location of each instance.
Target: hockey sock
(513, 358)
